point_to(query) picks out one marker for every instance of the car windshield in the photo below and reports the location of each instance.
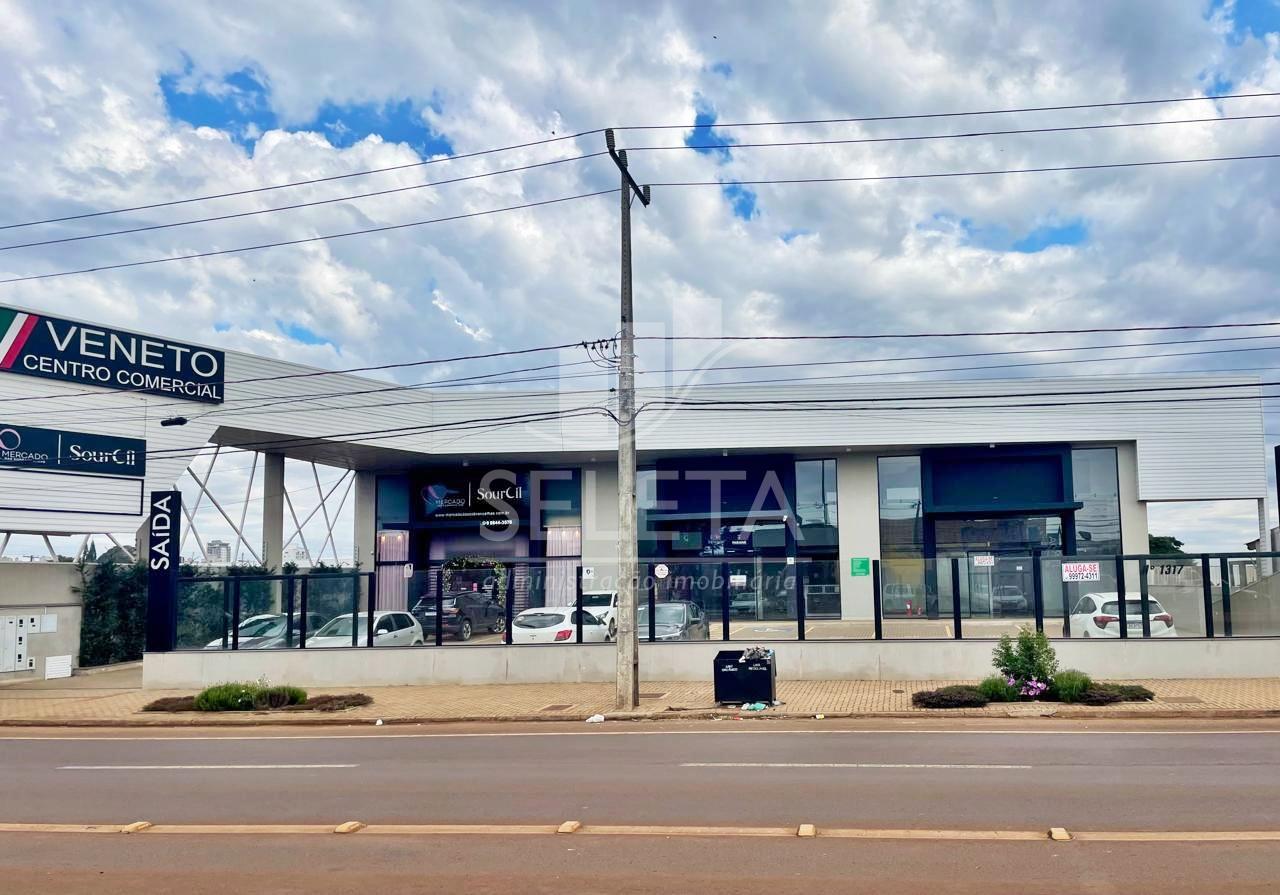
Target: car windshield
(262, 627)
(1132, 608)
(338, 627)
(1008, 591)
(597, 600)
(538, 619)
(663, 614)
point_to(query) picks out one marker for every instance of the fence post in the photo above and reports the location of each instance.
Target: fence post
(955, 596)
(302, 624)
(800, 607)
(1121, 594)
(876, 621)
(1037, 588)
(288, 611)
(1206, 586)
(235, 613)
(1144, 599)
(577, 605)
(724, 601)
(651, 587)
(440, 606)
(1226, 596)
(508, 597)
(226, 613)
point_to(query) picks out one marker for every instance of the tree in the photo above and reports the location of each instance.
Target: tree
(1164, 545)
(114, 614)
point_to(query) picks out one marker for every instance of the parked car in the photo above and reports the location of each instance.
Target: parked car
(389, 629)
(556, 624)
(744, 603)
(901, 599)
(603, 604)
(680, 620)
(1098, 615)
(1008, 599)
(267, 631)
(465, 612)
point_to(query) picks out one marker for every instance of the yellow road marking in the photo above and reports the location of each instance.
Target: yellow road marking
(1186, 836)
(145, 828)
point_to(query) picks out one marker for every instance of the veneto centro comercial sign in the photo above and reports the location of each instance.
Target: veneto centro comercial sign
(38, 345)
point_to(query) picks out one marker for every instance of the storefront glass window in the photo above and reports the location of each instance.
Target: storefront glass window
(816, 505)
(1096, 484)
(901, 510)
(393, 500)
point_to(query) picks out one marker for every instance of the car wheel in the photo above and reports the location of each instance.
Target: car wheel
(464, 630)
(418, 642)
(613, 629)
(499, 627)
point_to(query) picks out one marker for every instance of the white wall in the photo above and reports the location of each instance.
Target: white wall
(36, 589)
(903, 660)
(858, 515)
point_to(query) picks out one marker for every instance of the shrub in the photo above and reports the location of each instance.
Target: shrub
(958, 696)
(171, 704)
(333, 702)
(998, 689)
(1030, 661)
(244, 697)
(1070, 684)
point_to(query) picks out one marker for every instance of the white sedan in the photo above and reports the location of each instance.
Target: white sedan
(1098, 615)
(556, 624)
(603, 604)
(389, 629)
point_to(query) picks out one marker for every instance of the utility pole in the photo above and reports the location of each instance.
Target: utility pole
(628, 646)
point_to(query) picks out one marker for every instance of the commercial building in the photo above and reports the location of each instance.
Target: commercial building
(770, 504)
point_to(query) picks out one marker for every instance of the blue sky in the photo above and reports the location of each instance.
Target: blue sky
(706, 140)
(240, 104)
(996, 237)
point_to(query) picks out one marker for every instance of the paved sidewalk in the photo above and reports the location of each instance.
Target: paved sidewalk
(111, 699)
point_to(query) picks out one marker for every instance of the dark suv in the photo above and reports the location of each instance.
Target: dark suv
(465, 612)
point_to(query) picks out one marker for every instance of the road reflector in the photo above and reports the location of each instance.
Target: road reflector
(351, 826)
(136, 827)
(1059, 834)
(807, 831)
(569, 826)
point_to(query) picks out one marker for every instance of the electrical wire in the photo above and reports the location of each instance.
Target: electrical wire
(270, 401)
(309, 182)
(587, 133)
(689, 146)
(385, 228)
(961, 136)
(922, 115)
(960, 334)
(259, 211)
(880, 178)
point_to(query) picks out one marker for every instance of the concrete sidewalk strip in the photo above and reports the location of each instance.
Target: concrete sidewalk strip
(44, 706)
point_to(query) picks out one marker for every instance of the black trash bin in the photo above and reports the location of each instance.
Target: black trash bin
(755, 680)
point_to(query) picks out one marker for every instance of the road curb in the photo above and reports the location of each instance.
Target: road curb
(265, 719)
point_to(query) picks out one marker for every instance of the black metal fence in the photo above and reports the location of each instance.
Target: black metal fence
(538, 601)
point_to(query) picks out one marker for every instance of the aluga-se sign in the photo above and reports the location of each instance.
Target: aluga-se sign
(51, 348)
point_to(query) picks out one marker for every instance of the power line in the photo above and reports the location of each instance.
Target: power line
(922, 115)
(269, 401)
(307, 239)
(961, 334)
(245, 214)
(314, 180)
(876, 178)
(921, 137)
(587, 133)
(790, 143)
(385, 433)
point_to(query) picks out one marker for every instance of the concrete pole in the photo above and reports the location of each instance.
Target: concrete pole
(273, 511)
(627, 645)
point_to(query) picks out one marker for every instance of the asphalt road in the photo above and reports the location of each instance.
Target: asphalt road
(960, 775)
(745, 773)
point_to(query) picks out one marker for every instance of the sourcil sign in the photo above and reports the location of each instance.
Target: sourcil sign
(36, 345)
(28, 447)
